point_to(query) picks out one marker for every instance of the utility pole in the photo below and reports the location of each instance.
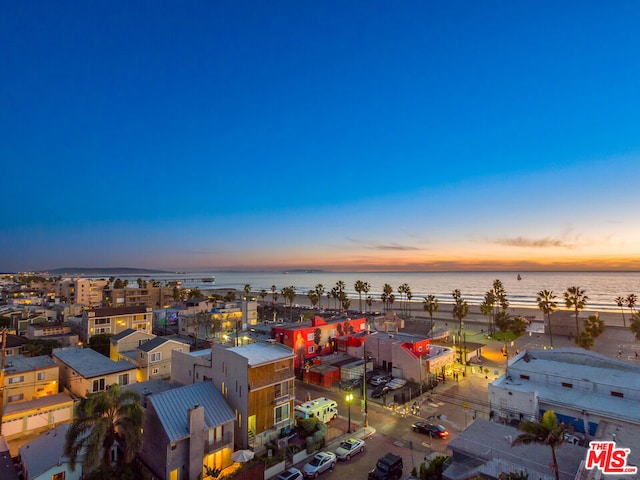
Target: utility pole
(2, 361)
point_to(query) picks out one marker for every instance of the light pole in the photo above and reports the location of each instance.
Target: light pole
(349, 399)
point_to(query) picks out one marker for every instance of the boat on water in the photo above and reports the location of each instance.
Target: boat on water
(209, 280)
(519, 277)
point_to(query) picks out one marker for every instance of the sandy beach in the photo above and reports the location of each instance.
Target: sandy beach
(416, 310)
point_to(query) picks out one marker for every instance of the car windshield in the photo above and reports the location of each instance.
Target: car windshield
(440, 428)
(346, 445)
(315, 461)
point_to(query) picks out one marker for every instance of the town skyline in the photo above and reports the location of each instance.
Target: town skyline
(360, 137)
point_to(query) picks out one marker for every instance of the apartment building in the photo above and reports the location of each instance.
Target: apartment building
(28, 378)
(257, 381)
(115, 320)
(145, 296)
(84, 291)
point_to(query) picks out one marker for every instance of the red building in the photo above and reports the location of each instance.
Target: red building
(318, 338)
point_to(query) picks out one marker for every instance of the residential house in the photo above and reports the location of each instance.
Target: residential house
(152, 355)
(27, 378)
(186, 429)
(43, 457)
(60, 332)
(7, 467)
(316, 337)
(126, 341)
(15, 345)
(83, 370)
(115, 320)
(257, 380)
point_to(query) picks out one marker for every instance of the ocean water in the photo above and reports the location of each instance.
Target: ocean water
(602, 288)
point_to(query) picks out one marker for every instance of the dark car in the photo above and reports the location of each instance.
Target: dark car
(387, 468)
(380, 391)
(430, 429)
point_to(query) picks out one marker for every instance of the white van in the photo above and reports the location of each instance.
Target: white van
(323, 408)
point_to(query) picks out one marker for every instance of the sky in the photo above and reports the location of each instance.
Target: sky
(337, 135)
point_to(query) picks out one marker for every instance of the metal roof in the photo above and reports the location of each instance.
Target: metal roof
(172, 408)
(259, 353)
(45, 451)
(89, 363)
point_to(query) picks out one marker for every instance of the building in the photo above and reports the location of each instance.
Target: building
(83, 371)
(187, 429)
(115, 320)
(28, 378)
(15, 345)
(256, 380)
(60, 332)
(316, 337)
(84, 291)
(151, 354)
(43, 457)
(145, 296)
(595, 396)
(222, 316)
(483, 450)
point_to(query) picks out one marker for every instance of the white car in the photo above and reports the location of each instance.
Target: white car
(348, 448)
(320, 462)
(290, 474)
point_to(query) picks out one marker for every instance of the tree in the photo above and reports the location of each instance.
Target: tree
(635, 325)
(369, 302)
(358, 286)
(620, 302)
(320, 291)
(313, 298)
(274, 292)
(459, 311)
(547, 303)
(247, 289)
(365, 289)
(38, 346)
(104, 419)
(593, 328)
(575, 298)
(387, 291)
(545, 432)
(632, 299)
(140, 282)
(263, 294)
(487, 309)
(194, 293)
(430, 305)
(403, 290)
(340, 292)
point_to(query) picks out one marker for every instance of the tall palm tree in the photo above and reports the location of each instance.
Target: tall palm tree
(320, 291)
(274, 292)
(459, 311)
(263, 294)
(545, 432)
(632, 299)
(103, 419)
(430, 305)
(387, 291)
(340, 290)
(359, 288)
(547, 303)
(313, 297)
(247, 289)
(575, 298)
(365, 289)
(486, 308)
(634, 326)
(620, 302)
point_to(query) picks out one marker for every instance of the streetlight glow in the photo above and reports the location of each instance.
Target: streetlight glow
(349, 399)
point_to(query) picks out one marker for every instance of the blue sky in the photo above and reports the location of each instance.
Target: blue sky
(338, 135)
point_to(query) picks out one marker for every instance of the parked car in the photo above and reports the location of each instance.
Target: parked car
(290, 474)
(396, 383)
(387, 468)
(430, 429)
(380, 391)
(379, 379)
(319, 463)
(348, 448)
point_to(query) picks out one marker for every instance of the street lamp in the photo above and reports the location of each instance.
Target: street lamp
(349, 399)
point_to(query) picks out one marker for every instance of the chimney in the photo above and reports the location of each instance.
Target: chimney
(196, 440)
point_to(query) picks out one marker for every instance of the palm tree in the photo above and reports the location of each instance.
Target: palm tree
(274, 292)
(620, 302)
(547, 303)
(365, 289)
(459, 311)
(359, 288)
(632, 299)
(593, 328)
(635, 325)
(263, 294)
(387, 291)
(340, 295)
(247, 289)
(320, 291)
(313, 297)
(545, 432)
(487, 308)
(430, 305)
(103, 419)
(575, 298)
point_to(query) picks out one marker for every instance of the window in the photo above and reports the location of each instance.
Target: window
(98, 385)
(281, 389)
(524, 377)
(310, 337)
(40, 375)
(617, 394)
(156, 357)
(281, 413)
(16, 398)
(102, 321)
(102, 330)
(17, 379)
(123, 379)
(179, 349)
(57, 476)
(312, 349)
(567, 385)
(155, 371)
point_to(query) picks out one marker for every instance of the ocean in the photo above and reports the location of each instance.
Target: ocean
(602, 288)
